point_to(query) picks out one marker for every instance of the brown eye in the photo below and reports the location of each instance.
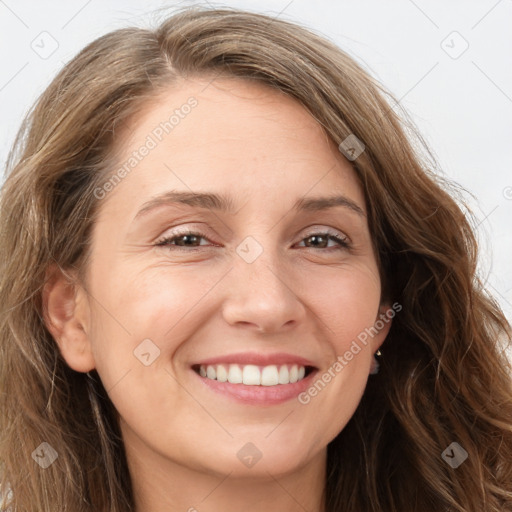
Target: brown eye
(186, 239)
(321, 241)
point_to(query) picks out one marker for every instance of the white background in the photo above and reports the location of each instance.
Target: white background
(462, 106)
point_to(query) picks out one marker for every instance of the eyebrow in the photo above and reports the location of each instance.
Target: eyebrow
(223, 203)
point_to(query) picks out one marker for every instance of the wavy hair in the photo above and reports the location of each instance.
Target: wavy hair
(445, 376)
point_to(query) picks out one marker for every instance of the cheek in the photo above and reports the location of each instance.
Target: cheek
(151, 313)
(160, 304)
(348, 302)
(348, 309)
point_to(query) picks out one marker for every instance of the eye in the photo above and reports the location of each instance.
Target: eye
(321, 241)
(183, 239)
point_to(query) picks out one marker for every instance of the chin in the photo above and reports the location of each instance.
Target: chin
(258, 459)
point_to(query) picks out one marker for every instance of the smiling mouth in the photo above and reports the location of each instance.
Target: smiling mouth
(253, 375)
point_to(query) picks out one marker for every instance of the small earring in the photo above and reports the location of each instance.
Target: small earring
(375, 364)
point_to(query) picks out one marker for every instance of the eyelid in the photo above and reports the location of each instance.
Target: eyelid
(331, 231)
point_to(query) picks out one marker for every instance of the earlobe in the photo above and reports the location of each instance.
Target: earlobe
(66, 316)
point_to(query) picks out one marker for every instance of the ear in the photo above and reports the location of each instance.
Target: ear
(66, 315)
(383, 323)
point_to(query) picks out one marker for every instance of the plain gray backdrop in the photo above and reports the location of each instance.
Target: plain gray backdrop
(448, 63)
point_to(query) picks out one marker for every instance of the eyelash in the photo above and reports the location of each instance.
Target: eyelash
(343, 243)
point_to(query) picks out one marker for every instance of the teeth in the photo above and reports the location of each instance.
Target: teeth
(211, 373)
(294, 373)
(252, 375)
(222, 374)
(235, 374)
(269, 376)
(284, 375)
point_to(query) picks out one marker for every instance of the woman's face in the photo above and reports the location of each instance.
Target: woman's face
(260, 286)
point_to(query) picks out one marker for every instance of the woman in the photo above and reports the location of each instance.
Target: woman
(208, 232)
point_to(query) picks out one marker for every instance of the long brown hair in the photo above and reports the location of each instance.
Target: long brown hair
(444, 376)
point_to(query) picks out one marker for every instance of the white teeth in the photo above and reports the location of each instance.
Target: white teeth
(284, 375)
(235, 374)
(294, 373)
(211, 372)
(269, 376)
(222, 374)
(252, 375)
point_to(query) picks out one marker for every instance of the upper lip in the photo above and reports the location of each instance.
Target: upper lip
(257, 359)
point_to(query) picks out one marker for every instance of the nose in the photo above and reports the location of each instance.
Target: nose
(263, 295)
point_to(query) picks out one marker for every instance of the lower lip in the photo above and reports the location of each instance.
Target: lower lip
(259, 395)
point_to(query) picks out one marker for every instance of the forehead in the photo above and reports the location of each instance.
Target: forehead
(222, 109)
(235, 135)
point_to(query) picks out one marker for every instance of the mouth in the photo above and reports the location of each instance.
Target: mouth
(255, 379)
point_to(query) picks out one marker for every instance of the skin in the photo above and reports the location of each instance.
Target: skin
(181, 438)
